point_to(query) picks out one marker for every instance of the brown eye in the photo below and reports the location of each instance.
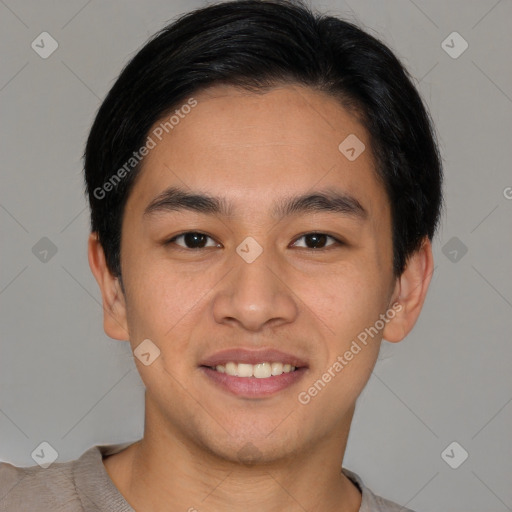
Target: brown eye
(192, 240)
(317, 241)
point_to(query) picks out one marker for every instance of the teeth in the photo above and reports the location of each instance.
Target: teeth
(245, 370)
(260, 370)
(277, 368)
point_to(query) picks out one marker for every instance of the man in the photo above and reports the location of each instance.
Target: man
(264, 186)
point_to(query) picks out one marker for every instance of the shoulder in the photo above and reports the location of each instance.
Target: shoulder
(382, 505)
(36, 488)
(73, 486)
(372, 502)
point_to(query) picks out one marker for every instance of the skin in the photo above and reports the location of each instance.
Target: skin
(253, 149)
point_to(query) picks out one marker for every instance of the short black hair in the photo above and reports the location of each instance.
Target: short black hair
(256, 45)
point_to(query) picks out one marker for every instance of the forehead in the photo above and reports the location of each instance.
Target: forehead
(255, 146)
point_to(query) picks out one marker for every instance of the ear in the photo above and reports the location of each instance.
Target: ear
(114, 306)
(410, 292)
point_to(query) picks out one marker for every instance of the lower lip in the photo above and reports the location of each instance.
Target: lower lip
(253, 387)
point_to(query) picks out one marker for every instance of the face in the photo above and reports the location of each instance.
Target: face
(255, 274)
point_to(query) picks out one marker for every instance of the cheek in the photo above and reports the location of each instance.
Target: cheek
(349, 303)
(349, 300)
(161, 300)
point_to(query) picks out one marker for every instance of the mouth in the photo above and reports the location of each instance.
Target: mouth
(262, 370)
(253, 374)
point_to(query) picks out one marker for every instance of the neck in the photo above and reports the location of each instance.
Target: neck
(166, 472)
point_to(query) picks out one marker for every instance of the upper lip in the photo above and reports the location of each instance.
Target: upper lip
(243, 355)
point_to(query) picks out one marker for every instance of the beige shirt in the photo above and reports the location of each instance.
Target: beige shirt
(83, 485)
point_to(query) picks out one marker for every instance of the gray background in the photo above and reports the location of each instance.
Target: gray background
(62, 380)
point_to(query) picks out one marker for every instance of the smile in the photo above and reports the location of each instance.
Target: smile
(253, 381)
(259, 371)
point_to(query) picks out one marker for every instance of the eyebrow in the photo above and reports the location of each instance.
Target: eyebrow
(328, 200)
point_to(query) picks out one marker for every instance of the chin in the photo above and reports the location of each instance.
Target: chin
(250, 447)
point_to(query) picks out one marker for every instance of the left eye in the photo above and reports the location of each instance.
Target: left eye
(317, 239)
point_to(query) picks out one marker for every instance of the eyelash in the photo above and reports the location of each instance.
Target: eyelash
(172, 240)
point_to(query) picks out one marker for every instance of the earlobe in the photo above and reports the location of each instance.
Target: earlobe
(114, 307)
(410, 293)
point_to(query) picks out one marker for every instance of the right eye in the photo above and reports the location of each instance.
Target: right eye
(192, 240)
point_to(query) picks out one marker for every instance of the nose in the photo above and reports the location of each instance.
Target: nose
(255, 295)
